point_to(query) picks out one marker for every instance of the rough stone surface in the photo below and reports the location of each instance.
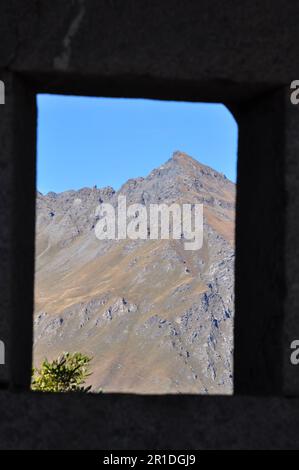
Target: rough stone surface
(17, 209)
(147, 422)
(291, 255)
(200, 50)
(260, 284)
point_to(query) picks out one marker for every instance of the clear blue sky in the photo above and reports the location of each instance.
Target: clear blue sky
(105, 141)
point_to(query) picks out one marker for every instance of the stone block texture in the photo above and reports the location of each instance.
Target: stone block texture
(243, 54)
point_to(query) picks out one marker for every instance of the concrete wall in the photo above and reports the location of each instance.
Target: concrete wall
(244, 54)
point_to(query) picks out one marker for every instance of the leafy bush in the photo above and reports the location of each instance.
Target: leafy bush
(67, 373)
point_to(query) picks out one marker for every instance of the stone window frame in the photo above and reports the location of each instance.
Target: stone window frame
(130, 61)
(259, 234)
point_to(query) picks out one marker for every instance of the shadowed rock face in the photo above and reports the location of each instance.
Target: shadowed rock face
(155, 317)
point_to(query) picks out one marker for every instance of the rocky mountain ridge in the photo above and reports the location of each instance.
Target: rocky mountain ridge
(155, 317)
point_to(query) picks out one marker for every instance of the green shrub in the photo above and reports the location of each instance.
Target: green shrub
(67, 373)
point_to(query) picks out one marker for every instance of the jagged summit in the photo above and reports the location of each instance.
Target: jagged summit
(181, 156)
(178, 154)
(180, 164)
(186, 162)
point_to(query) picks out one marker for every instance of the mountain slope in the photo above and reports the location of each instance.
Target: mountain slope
(155, 317)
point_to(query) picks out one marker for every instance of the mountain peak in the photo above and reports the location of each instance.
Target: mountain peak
(182, 156)
(179, 153)
(187, 163)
